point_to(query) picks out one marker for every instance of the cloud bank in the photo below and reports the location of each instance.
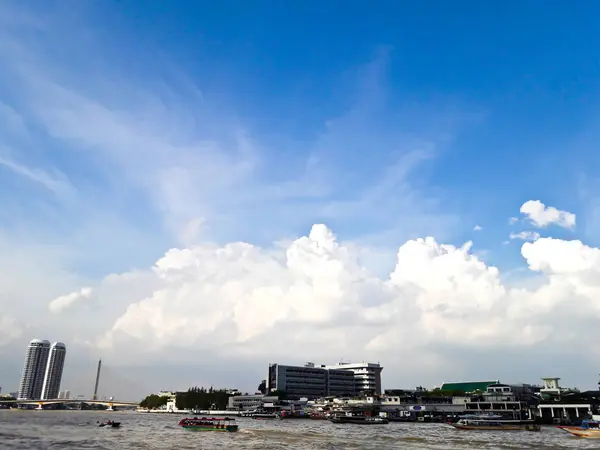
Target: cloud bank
(313, 299)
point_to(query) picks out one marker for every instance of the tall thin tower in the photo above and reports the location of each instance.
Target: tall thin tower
(34, 369)
(95, 396)
(54, 370)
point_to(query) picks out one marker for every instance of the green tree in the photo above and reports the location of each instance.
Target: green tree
(154, 401)
(200, 398)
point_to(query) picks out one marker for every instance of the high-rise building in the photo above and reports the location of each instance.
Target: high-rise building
(34, 369)
(54, 370)
(309, 381)
(367, 376)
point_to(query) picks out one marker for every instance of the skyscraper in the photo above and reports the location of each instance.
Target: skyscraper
(32, 378)
(54, 370)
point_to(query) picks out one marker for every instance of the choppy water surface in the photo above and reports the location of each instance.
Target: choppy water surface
(77, 430)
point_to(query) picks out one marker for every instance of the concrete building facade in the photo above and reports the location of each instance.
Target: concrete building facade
(34, 370)
(310, 381)
(249, 402)
(54, 370)
(367, 376)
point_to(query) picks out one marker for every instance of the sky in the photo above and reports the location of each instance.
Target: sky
(191, 191)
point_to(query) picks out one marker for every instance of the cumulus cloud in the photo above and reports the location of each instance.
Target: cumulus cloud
(65, 302)
(525, 235)
(477, 228)
(314, 299)
(541, 215)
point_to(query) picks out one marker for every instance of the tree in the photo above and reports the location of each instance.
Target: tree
(154, 401)
(262, 387)
(200, 398)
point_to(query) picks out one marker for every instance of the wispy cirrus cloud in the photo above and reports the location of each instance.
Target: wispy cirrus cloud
(137, 162)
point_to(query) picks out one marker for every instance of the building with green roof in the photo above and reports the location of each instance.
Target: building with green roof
(467, 386)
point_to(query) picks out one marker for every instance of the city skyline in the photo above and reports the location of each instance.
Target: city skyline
(404, 184)
(42, 370)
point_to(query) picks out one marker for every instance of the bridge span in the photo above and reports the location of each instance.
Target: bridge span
(56, 401)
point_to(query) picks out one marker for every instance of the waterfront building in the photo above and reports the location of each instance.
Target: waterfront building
(467, 387)
(34, 370)
(559, 404)
(297, 381)
(54, 370)
(310, 381)
(367, 376)
(250, 402)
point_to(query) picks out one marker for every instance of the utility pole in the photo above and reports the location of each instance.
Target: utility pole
(95, 396)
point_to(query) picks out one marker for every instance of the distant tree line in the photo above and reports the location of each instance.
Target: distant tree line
(201, 398)
(154, 401)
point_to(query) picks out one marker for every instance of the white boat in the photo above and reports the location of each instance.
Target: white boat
(495, 425)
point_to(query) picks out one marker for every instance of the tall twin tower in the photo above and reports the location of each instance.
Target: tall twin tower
(42, 370)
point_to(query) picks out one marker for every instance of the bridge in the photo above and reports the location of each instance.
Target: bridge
(118, 385)
(63, 401)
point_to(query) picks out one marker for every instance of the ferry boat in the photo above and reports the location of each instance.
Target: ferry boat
(588, 429)
(487, 424)
(209, 424)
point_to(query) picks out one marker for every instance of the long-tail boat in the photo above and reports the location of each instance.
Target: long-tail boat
(209, 424)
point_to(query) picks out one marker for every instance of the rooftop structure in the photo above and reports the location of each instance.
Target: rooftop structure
(467, 386)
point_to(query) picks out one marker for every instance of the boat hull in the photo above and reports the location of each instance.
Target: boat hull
(228, 429)
(582, 432)
(496, 428)
(359, 421)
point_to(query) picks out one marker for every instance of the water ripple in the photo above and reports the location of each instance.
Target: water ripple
(50, 430)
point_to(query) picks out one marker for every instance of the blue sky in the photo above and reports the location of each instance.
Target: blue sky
(128, 128)
(502, 95)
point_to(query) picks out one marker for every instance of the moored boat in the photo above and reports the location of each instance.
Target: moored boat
(495, 425)
(264, 416)
(588, 429)
(358, 420)
(209, 424)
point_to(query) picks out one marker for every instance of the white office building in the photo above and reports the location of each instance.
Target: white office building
(34, 369)
(367, 376)
(54, 370)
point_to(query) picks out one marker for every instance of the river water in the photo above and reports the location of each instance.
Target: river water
(44, 430)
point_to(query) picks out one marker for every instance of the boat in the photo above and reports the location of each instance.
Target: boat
(109, 424)
(359, 420)
(485, 424)
(264, 416)
(209, 424)
(588, 429)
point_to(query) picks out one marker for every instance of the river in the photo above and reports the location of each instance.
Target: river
(45, 430)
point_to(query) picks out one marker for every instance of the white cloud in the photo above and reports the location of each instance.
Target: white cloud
(477, 228)
(542, 215)
(525, 235)
(65, 302)
(513, 220)
(10, 330)
(314, 300)
(56, 182)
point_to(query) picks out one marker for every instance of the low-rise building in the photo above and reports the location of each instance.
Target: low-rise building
(250, 402)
